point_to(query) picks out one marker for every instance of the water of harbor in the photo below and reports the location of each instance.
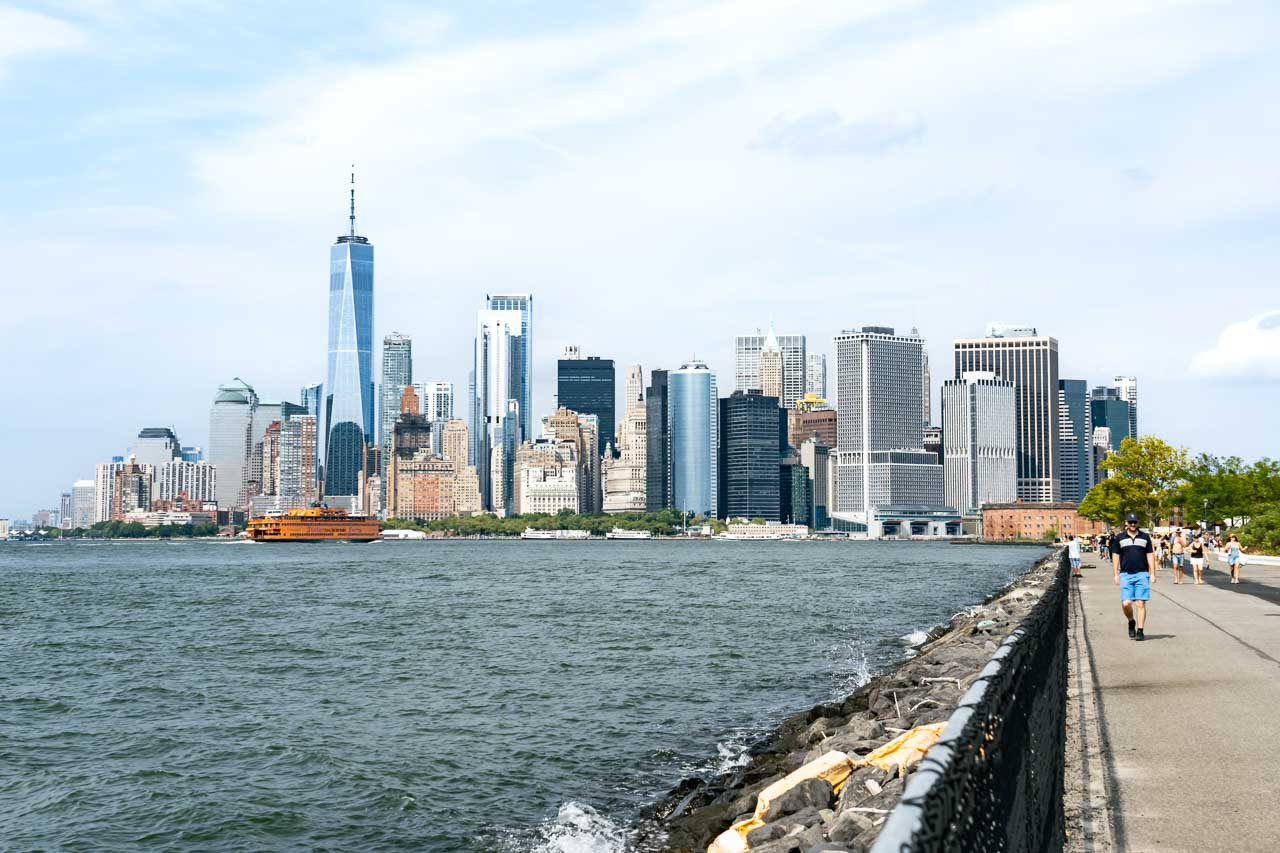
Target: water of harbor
(430, 696)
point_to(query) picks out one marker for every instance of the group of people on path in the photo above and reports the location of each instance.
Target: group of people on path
(1136, 555)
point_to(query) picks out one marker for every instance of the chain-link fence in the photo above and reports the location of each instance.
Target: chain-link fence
(993, 781)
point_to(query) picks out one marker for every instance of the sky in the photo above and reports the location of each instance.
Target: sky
(660, 175)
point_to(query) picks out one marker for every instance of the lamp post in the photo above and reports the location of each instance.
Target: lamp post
(1206, 514)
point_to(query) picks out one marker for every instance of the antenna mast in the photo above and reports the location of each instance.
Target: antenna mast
(353, 199)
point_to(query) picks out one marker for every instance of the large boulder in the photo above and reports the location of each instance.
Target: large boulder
(811, 793)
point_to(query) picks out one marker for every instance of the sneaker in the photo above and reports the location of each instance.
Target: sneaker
(1140, 636)
(1133, 632)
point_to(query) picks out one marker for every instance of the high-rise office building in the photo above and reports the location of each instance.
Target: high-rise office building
(624, 476)
(311, 399)
(752, 441)
(1127, 387)
(132, 489)
(1108, 409)
(772, 373)
(657, 481)
(397, 372)
(815, 375)
(437, 401)
(926, 382)
(82, 503)
(157, 446)
(179, 480)
(192, 454)
(1030, 361)
(747, 350)
(496, 410)
(886, 483)
(297, 478)
(1075, 436)
(816, 459)
(979, 439)
(586, 386)
(693, 419)
(348, 409)
(583, 430)
(104, 486)
(522, 364)
(231, 440)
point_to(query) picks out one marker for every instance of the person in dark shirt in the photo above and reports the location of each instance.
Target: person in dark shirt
(1133, 557)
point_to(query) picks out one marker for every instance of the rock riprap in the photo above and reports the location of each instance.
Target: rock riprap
(831, 774)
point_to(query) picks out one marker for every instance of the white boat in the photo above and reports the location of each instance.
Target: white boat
(619, 533)
(530, 533)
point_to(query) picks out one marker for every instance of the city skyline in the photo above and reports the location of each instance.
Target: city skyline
(801, 197)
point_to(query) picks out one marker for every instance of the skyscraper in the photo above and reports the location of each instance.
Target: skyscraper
(979, 440)
(496, 411)
(693, 417)
(1075, 436)
(772, 372)
(657, 483)
(886, 483)
(397, 372)
(297, 479)
(82, 503)
(523, 364)
(348, 422)
(926, 382)
(1127, 386)
(752, 429)
(157, 446)
(747, 350)
(624, 477)
(1030, 362)
(586, 386)
(1108, 409)
(815, 377)
(231, 440)
(437, 402)
(194, 481)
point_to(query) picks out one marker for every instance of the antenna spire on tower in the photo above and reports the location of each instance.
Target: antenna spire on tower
(353, 199)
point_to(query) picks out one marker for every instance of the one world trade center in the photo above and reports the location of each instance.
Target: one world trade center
(347, 412)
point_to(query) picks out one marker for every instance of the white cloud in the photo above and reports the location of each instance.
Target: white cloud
(23, 32)
(1246, 350)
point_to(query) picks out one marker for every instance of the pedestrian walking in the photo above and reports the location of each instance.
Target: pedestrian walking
(1235, 556)
(1178, 547)
(1196, 551)
(1073, 554)
(1133, 555)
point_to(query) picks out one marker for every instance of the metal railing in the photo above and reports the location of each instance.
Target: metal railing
(993, 781)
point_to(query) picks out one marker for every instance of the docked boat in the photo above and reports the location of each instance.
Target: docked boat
(619, 533)
(314, 524)
(530, 533)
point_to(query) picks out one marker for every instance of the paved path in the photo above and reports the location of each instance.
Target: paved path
(1188, 721)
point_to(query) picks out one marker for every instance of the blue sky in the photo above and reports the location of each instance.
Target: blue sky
(660, 175)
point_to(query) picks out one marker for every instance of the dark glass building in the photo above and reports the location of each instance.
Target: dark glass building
(657, 439)
(796, 493)
(586, 385)
(1108, 409)
(753, 432)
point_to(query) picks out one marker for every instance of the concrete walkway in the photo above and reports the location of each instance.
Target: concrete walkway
(1187, 734)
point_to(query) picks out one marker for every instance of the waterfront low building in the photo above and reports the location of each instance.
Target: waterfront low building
(1020, 520)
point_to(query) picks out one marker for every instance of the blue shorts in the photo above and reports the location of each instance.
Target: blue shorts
(1177, 559)
(1135, 586)
(1075, 562)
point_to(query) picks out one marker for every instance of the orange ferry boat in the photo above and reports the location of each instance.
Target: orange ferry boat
(315, 524)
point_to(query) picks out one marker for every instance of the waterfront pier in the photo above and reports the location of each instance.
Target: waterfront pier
(1177, 735)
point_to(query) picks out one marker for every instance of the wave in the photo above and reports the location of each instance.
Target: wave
(578, 828)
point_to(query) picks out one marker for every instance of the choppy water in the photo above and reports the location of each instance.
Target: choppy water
(437, 696)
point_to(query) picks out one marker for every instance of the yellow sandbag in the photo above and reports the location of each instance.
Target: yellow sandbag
(907, 748)
(834, 767)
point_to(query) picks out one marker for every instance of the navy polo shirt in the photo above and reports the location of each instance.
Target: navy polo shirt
(1133, 550)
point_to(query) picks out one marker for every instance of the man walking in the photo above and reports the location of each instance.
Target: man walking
(1133, 555)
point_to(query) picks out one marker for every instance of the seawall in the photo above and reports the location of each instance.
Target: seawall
(921, 691)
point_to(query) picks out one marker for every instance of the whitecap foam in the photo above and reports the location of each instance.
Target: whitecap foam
(578, 828)
(915, 638)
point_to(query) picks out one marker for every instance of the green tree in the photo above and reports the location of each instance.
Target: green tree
(1146, 476)
(1262, 532)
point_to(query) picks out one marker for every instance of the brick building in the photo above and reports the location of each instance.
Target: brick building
(1030, 521)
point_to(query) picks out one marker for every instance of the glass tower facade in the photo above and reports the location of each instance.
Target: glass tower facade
(752, 438)
(657, 437)
(397, 372)
(523, 368)
(586, 385)
(348, 387)
(1075, 435)
(496, 413)
(693, 418)
(231, 440)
